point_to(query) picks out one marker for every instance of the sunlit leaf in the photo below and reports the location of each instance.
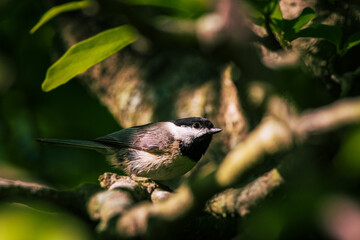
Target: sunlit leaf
(257, 10)
(306, 16)
(53, 12)
(352, 41)
(277, 14)
(87, 53)
(276, 17)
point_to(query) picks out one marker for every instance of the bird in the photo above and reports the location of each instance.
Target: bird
(159, 151)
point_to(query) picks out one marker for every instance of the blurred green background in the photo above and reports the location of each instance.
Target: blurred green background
(330, 165)
(27, 113)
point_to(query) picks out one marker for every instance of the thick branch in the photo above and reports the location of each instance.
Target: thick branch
(328, 118)
(272, 136)
(75, 201)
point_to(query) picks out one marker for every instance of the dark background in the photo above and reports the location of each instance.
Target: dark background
(28, 113)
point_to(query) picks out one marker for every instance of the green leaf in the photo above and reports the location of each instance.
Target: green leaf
(277, 14)
(330, 33)
(291, 27)
(259, 9)
(347, 158)
(87, 53)
(352, 41)
(306, 16)
(256, 16)
(53, 12)
(265, 7)
(190, 7)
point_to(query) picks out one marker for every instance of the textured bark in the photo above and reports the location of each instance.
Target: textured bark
(240, 201)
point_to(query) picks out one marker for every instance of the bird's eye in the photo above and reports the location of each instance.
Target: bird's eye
(196, 125)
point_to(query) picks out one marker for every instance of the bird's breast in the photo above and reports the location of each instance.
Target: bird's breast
(157, 166)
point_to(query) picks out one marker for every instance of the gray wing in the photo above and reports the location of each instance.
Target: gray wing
(151, 137)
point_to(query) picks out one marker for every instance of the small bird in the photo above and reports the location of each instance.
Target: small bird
(159, 151)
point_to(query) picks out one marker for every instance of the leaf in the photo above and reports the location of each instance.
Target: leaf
(291, 27)
(265, 7)
(306, 16)
(190, 7)
(277, 14)
(257, 10)
(256, 16)
(352, 41)
(347, 158)
(330, 33)
(54, 11)
(87, 53)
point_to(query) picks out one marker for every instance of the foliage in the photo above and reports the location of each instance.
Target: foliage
(26, 113)
(182, 8)
(87, 53)
(71, 6)
(289, 30)
(263, 11)
(39, 225)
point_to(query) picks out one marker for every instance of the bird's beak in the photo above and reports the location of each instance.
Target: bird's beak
(214, 130)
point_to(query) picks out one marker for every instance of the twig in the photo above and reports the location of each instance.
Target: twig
(239, 201)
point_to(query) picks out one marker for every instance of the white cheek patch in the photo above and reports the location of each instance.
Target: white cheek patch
(186, 134)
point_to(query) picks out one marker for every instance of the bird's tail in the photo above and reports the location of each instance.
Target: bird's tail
(104, 149)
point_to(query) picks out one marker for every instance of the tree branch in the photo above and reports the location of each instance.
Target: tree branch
(273, 135)
(119, 215)
(74, 201)
(240, 201)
